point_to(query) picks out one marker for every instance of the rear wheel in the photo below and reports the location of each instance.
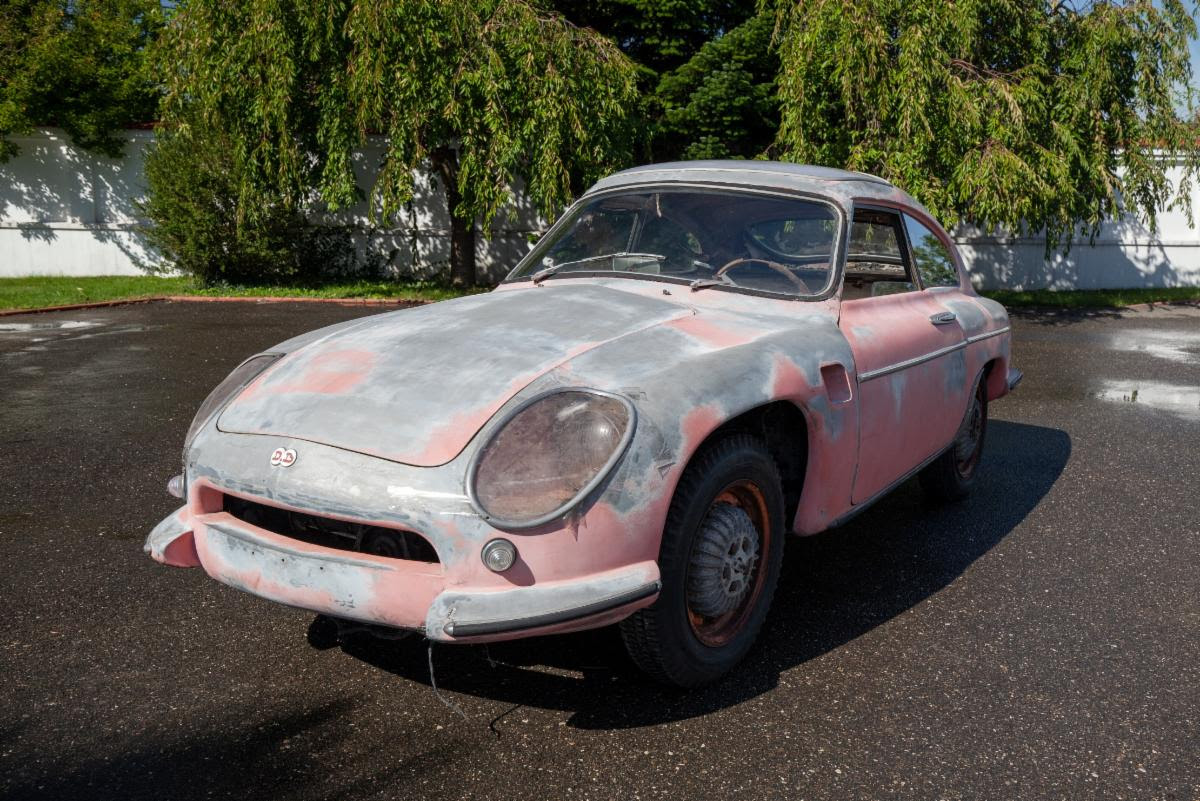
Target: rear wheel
(951, 476)
(720, 557)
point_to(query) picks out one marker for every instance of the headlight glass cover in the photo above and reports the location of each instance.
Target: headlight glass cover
(242, 375)
(548, 455)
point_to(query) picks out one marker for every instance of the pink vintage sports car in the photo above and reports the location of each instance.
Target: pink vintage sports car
(697, 359)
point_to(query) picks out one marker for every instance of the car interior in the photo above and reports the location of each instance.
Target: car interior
(876, 260)
(772, 244)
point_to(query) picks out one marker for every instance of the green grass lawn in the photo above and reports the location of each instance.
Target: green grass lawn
(39, 292)
(1093, 298)
(42, 291)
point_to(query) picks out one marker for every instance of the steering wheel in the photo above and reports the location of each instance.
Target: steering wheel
(774, 265)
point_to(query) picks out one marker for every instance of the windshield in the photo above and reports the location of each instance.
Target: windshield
(706, 237)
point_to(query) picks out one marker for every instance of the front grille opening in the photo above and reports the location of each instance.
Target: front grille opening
(330, 533)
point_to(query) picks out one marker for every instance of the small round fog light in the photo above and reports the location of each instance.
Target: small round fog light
(499, 555)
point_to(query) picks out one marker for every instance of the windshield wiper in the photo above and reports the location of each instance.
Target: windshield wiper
(546, 272)
(705, 283)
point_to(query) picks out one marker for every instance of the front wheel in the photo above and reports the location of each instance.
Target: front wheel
(951, 476)
(721, 552)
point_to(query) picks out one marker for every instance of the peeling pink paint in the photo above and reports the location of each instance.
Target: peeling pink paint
(333, 373)
(447, 440)
(697, 424)
(716, 332)
(182, 552)
(789, 380)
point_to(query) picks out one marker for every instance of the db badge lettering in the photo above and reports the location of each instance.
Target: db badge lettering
(283, 457)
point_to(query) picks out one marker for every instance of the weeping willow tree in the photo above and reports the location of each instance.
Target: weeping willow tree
(1001, 113)
(486, 92)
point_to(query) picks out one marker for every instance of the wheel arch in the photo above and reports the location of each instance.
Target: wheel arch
(776, 423)
(995, 377)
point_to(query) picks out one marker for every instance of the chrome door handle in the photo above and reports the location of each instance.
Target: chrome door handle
(943, 318)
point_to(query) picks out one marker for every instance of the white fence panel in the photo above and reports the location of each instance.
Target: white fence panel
(64, 211)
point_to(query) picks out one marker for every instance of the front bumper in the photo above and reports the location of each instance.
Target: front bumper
(396, 592)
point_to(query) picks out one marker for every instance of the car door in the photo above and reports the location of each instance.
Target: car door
(908, 354)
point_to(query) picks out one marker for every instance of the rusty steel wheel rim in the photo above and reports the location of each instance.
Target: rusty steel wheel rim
(967, 443)
(719, 630)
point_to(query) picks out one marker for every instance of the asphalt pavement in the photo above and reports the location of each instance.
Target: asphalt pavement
(1038, 640)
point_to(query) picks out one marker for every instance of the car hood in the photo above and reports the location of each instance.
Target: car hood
(415, 386)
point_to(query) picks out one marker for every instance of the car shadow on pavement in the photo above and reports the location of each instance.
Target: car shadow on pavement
(834, 588)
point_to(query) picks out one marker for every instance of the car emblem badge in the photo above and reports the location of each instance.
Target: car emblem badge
(283, 457)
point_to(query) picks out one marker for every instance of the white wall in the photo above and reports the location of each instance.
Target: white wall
(1124, 254)
(67, 212)
(64, 211)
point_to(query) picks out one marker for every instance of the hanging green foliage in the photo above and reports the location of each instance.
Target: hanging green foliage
(1005, 113)
(487, 92)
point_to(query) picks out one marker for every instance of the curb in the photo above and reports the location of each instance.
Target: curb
(103, 304)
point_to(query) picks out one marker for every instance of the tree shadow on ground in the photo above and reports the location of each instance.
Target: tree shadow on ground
(225, 759)
(834, 587)
(1046, 316)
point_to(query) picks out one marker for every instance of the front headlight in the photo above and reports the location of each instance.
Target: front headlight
(548, 455)
(242, 375)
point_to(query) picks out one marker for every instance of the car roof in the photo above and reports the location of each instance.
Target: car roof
(841, 184)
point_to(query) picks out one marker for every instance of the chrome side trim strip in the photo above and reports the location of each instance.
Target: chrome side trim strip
(913, 362)
(869, 375)
(988, 335)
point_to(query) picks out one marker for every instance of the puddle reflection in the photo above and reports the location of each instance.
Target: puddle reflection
(1171, 345)
(58, 325)
(1181, 400)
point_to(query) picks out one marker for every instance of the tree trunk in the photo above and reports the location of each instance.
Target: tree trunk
(462, 231)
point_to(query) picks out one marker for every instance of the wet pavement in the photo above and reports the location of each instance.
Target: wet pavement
(1039, 640)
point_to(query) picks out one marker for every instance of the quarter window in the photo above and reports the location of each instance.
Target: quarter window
(933, 260)
(875, 261)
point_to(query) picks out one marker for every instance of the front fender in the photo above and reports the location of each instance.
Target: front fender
(692, 376)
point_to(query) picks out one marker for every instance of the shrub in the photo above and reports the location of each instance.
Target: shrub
(212, 223)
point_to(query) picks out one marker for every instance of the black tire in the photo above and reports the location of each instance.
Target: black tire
(729, 494)
(951, 476)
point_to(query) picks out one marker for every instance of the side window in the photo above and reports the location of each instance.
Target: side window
(933, 260)
(875, 261)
